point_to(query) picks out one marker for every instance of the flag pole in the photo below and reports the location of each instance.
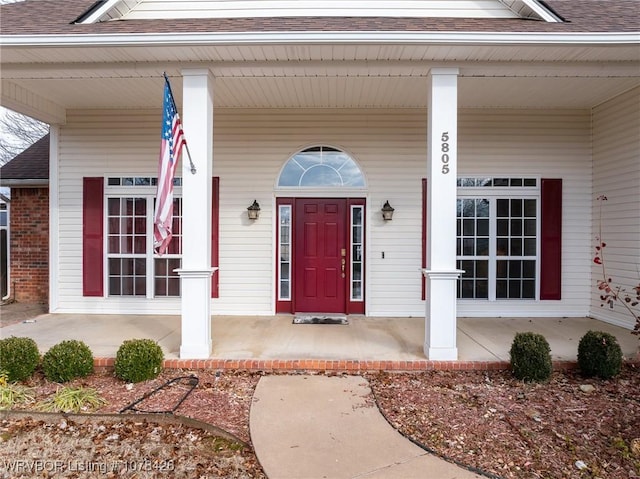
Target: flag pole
(186, 146)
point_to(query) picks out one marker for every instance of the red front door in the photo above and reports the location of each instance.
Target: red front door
(320, 261)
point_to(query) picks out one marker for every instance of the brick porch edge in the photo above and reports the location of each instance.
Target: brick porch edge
(331, 365)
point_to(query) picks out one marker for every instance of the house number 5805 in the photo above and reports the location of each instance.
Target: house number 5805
(444, 149)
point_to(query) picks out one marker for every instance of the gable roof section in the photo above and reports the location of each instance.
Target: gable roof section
(107, 10)
(533, 9)
(56, 17)
(29, 168)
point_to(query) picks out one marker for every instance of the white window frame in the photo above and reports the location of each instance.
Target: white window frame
(352, 245)
(289, 225)
(492, 194)
(134, 191)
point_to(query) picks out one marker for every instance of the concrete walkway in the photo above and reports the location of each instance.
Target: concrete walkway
(307, 427)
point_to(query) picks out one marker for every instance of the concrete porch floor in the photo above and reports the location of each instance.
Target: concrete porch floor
(276, 338)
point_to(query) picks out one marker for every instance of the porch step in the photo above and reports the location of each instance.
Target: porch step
(319, 318)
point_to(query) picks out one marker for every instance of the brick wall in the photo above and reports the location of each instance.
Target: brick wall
(29, 244)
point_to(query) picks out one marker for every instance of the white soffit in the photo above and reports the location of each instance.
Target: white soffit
(327, 92)
(171, 9)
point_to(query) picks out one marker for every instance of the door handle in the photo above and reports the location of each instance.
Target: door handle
(344, 261)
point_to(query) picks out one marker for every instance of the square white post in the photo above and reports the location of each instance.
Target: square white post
(441, 273)
(195, 274)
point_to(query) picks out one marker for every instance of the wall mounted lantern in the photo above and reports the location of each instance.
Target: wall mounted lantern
(253, 211)
(387, 212)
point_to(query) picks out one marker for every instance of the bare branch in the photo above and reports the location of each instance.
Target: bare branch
(18, 132)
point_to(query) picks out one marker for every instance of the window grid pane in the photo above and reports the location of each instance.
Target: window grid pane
(357, 253)
(321, 166)
(497, 249)
(133, 268)
(284, 243)
(472, 246)
(127, 276)
(497, 182)
(516, 240)
(166, 282)
(474, 283)
(126, 225)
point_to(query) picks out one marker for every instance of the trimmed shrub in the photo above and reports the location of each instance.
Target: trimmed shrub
(138, 360)
(67, 360)
(531, 357)
(599, 354)
(19, 357)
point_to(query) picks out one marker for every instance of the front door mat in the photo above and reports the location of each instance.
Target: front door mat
(317, 318)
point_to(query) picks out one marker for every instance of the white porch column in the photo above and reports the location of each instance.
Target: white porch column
(441, 273)
(195, 274)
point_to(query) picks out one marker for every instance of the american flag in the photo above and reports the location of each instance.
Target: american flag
(170, 148)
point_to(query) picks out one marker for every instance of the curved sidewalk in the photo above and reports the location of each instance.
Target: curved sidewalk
(306, 427)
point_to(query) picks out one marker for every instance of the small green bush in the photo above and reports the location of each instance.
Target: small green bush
(19, 357)
(531, 357)
(599, 354)
(138, 360)
(67, 360)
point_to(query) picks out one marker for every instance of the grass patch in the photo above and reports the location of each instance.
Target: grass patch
(70, 399)
(220, 444)
(12, 394)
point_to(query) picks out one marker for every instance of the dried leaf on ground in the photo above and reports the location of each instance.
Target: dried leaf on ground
(485, 420)
(490, 421)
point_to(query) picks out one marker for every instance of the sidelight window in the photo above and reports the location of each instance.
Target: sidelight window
(284, 240)
(357, 252)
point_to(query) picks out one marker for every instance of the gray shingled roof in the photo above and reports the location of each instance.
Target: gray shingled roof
(29, 167)
(57, 17)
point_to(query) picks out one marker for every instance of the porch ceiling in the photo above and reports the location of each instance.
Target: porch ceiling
(331, 92)
(317, 76)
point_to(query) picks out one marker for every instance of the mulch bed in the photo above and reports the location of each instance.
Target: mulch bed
(510, 429)
(484, 420)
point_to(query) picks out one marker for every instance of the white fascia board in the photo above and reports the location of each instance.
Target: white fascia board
(99, 12)
(461, 38)
(23, 183)
(541, 11)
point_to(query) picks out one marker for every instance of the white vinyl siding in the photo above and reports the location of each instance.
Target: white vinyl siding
(170, 9)
(250, 148)
(546, 144)
(616, 173)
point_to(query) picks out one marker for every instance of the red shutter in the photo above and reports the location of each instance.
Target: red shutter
(215, 230)
(92, 236)
(551, 239)
(424, 236)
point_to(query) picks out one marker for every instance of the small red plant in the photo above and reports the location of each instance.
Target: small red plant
(610, 293)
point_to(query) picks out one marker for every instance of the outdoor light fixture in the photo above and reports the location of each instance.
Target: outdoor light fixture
(253, 211)
(387, 212)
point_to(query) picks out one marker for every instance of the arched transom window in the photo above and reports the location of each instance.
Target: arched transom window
(322, 167)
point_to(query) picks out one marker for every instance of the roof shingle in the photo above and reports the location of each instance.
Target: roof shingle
(56, 17)
(31, 164)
